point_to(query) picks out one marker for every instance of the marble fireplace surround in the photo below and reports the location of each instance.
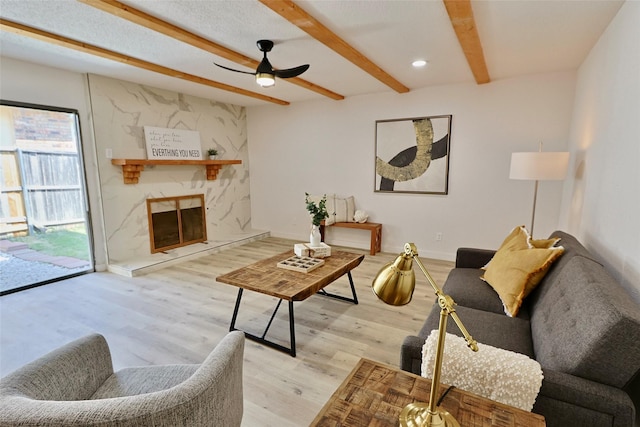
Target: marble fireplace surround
(120, 110)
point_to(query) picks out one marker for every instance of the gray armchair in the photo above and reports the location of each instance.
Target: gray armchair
(75, 386)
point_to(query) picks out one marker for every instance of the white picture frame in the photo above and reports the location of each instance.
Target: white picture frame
(172, 144)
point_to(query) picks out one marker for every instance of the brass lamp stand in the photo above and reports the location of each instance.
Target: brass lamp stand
(394, 284)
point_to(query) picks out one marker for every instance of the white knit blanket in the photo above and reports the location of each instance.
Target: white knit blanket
(504, 376)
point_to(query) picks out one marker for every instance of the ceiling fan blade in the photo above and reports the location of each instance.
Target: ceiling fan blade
(291, 72)
(265, 69)
(237, 71)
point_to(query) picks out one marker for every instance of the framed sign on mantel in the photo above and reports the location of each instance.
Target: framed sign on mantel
(172, 144)
(412, 155)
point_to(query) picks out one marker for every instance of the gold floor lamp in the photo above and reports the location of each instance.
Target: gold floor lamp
(394, 285)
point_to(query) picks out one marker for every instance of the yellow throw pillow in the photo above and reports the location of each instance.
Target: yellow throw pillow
(514, 273)
(517, 239)
(537, 277)
(544, 243)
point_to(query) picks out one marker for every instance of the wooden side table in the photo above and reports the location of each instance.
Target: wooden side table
(372, 227)
(374, 394)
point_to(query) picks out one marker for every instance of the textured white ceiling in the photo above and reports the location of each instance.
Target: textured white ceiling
(519, 37)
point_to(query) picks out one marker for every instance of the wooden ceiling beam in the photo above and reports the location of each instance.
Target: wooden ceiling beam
(23, 30)
(464, 24)
(148, 21)
(298, 17)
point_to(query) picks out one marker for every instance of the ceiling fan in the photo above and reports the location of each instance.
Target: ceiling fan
(265, 74)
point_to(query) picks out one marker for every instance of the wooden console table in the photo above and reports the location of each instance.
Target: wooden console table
(131, 168)
(374, 394)
(374, 228)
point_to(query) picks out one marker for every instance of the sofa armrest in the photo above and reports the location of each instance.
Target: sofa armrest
(71, 372)
(473, 258)
(411, 354)
(563, 399)
(569, 400)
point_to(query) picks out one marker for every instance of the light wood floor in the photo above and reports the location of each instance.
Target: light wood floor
(178, 314)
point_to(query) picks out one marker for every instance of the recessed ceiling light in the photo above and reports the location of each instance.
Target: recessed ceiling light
(419, 63)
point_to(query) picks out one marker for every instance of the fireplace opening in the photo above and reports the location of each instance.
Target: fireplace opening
(176, 221)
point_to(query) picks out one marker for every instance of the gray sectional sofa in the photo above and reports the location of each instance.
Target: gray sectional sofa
(579, 324)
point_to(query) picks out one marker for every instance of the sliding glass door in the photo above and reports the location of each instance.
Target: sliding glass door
(45, 233)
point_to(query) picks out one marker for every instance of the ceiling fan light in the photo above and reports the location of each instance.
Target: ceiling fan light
(265, 79)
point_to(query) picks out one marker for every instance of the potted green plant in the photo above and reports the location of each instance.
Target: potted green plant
(318, 212)
(212, 153)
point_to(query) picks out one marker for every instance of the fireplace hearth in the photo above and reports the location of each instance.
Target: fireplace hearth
(176, 221)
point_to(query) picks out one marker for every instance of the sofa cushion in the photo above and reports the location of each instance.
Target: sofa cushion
(497, 330)
(572, 247)
(467, 289)
(586, 325)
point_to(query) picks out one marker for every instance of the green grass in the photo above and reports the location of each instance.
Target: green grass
(71, 242)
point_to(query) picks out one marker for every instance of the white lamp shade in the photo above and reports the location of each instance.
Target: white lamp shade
(541, 166)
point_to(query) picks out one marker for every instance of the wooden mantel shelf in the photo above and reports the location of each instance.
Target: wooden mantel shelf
(131, 168)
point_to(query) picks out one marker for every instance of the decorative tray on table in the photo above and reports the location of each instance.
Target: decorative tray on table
(302, 264)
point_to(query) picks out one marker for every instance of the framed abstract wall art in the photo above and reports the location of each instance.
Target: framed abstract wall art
(412, 155)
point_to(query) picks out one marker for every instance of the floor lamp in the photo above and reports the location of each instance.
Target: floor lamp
(539, 166)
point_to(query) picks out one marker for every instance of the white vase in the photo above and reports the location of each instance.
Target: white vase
(212, 156)
(314, 237)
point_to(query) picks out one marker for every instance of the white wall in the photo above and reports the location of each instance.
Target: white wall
(601, 203)
(31, 83)
(328, 147)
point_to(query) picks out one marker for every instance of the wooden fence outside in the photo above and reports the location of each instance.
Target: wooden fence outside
(39, 189)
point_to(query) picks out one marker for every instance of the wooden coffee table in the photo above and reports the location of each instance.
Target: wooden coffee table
(374, 394)
(266, 278)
